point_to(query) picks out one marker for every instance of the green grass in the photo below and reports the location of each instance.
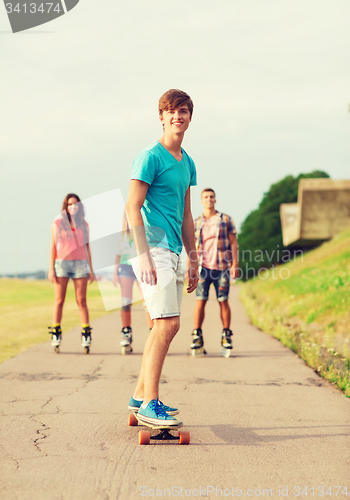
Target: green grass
(310, 310)
(26, 312)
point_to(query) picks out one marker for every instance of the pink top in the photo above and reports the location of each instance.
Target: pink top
(210, 244)
(70, 245)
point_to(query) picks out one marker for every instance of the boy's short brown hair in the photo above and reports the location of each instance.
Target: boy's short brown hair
(208, 189)
(174, 98)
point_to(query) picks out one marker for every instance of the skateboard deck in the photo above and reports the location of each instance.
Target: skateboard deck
(164, 435)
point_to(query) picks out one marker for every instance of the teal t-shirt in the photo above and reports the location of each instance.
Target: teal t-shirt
(168, 181)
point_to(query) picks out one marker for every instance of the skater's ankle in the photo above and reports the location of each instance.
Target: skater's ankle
(137, 398)
(56, 325)
(85, 325)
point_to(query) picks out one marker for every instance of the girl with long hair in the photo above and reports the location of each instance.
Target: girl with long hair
(70, 257)
(125, 277)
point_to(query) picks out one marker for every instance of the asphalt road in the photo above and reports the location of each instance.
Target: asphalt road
(262, 423)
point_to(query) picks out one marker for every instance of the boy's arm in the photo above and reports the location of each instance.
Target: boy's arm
(136, 198)
(188, 239)
(234, 250)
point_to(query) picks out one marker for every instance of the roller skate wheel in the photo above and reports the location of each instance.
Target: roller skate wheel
(144, 437)
(87, 349)
(198, 352)
(126, 350)
(133, 420)
(184, 437)
(225, 352)
(57, 349)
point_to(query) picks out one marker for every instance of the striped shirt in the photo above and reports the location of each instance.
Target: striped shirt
(224, 227)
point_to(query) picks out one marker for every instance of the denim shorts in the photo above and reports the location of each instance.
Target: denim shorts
(164, 299)
(220, 279)
(125, 271)
(74, 269)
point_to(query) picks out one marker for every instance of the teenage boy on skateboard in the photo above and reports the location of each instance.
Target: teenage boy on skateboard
(159, 213)
(216, 244)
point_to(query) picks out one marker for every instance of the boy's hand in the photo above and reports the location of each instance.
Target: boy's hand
(147, 269)
(192, 278)
(234, 273)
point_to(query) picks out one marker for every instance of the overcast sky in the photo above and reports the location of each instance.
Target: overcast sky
(270, 82)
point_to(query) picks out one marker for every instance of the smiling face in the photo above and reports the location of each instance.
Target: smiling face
(208, 199)
(72, 205)
(177, 120)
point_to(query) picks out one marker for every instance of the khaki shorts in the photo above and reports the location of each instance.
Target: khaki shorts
(164, 299)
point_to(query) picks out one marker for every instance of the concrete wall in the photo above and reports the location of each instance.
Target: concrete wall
(322, 211)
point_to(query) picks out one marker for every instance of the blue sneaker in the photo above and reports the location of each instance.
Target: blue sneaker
(154, 414)
(134, 405)
(169, 409)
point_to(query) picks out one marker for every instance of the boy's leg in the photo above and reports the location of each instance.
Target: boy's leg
(164, 306)
(225, 313)
(202, 294)
(222, 287)
(155, 350)
(199, 313)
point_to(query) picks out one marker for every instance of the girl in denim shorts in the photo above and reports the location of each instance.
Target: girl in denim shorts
(70, 258)
(125, 277)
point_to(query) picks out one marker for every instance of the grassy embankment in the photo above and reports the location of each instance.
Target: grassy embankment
(26, 311)
(309, 311)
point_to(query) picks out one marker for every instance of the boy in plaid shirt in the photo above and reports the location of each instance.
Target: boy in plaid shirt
(216, 245)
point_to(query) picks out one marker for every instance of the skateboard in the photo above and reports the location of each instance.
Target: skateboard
(164, 435)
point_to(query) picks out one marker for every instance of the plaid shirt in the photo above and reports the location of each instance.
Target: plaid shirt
(224, 227)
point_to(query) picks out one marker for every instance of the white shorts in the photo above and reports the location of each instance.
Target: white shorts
(164, 299)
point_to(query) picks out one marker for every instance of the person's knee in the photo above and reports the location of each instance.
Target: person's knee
(174, 324)
(126, 304)
(81, 301)
(170, 326)
(59, 301)
(201, 304)
(224, 304)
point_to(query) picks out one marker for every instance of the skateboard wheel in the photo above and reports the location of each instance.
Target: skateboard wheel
(133, 420)
(87, 349)
(57, 348)
(144, 437)
(184, 437)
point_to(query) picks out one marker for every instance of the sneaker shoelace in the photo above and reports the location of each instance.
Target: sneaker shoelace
(159, 410)
(165, 407)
